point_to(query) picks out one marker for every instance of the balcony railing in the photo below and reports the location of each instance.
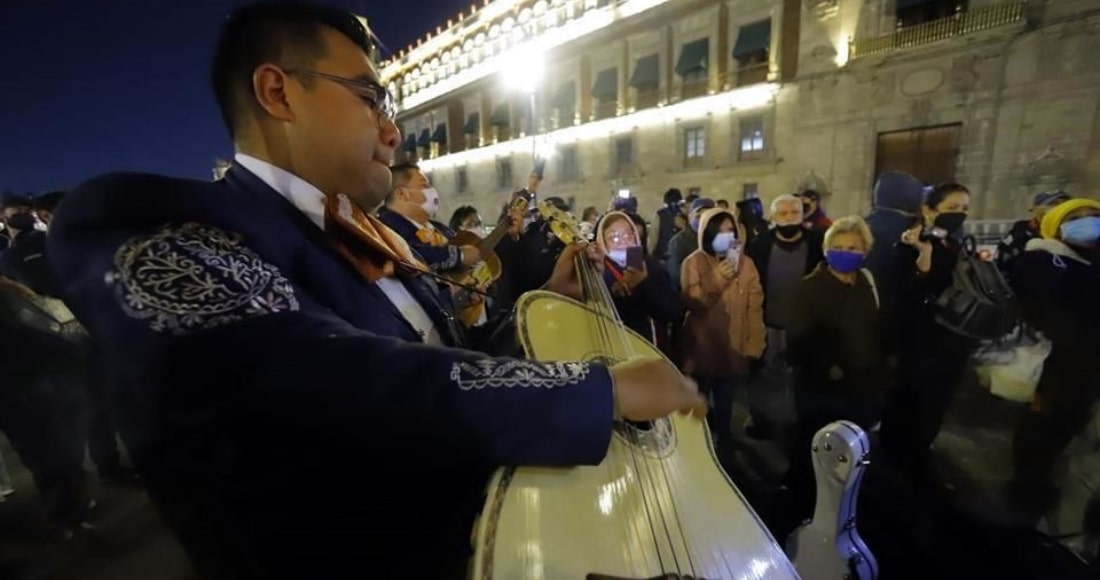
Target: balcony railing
(983, 18)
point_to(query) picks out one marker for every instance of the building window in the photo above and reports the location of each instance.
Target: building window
(914, 12)
(695, 146)
(567, 159)
(461, 180)
(927, 153)
(695, 84)
(750, 191)
(624, 155)
(504, 174)
(752, 138)
(751, 51)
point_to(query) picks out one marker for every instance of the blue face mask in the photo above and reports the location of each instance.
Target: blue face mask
(722, 242)
(1081, 231)
(844, 262)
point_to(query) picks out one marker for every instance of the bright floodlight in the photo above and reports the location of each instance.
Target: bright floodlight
(624, 193)
(523, 69)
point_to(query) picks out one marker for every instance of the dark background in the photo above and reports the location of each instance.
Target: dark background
(90, 86)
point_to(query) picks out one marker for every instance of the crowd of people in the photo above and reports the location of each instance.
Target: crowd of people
(314, 296)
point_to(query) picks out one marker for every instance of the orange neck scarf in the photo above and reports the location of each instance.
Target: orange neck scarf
(369, 245)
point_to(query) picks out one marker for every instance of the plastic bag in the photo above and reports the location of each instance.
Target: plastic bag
(1015, 373)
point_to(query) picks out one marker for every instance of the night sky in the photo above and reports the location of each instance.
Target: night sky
(90, 86)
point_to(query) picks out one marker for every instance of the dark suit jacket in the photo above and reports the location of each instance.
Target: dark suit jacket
(283, 415)
(439, 258)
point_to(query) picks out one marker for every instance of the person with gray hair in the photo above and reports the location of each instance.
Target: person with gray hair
(783, 255)
(835, 338)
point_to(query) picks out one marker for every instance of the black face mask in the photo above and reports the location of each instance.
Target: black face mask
(22, 221)
(950, 222)
(789, 230)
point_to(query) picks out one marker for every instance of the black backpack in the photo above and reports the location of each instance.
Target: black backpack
(979, 303)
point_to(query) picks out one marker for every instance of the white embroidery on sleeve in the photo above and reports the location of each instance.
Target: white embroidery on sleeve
(490, 373)
(191, 277)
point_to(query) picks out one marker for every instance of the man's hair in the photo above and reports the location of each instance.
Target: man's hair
(49, 201)
(287, 34)
(590, 210)
(460, 216)
(16, 200)
(673, 195)
(786, 198)
(402, 175)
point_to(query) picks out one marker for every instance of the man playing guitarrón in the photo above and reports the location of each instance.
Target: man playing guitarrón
(265, 326)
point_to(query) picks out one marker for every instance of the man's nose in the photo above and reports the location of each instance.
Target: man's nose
(390, 134)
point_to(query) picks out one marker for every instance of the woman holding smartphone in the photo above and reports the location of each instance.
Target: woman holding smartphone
(639, 286)
(931, 358)
(724, 329)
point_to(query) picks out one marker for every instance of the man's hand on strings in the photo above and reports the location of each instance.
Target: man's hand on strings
(565, 280)
(648, 389)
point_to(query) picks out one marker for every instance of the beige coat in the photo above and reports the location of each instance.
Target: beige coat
(725, 321)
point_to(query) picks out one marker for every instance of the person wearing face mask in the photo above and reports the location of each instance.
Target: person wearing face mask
(930, 358)
(835, 344)
(687, 241)
(410, 211)
(814, 217)
(783, 255)
(25, 258)
(643, 295)
(1015, 242)
(724, 330)
(467, 218)
(1056, 280)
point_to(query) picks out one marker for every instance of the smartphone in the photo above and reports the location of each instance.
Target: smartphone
(734, 253)
(635, 258)
(540, 166)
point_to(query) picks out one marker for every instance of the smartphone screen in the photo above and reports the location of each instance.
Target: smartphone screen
(634, 258)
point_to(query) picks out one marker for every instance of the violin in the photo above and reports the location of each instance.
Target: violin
(659, 505)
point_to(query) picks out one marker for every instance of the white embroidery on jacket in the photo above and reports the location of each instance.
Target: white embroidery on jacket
(191, 277)
(490, 373)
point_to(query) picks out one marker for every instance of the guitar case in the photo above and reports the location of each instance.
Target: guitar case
(829, 546)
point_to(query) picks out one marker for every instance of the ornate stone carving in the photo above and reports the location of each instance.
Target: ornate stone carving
(964, 74)
(882, 88)
(920, 112)
(824, 9)
(1048, 171)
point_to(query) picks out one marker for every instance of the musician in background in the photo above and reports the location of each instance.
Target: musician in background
(410, 211)
(296, 324)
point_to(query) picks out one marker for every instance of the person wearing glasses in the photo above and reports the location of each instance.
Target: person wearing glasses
(254, 328)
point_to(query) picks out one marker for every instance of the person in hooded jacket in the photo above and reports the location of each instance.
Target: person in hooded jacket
(643, 297)
(931, 358)
(1056, 279)
(896, 204)
(724, 330)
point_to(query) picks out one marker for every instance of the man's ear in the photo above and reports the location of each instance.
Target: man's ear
(269, 88)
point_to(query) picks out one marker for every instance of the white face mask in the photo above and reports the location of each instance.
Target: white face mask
(431, 201)
(617, 256)
(722, 242)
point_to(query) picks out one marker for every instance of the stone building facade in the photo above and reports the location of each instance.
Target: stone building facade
(739, 98)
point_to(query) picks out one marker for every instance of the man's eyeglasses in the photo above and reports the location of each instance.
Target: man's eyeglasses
(372, 93)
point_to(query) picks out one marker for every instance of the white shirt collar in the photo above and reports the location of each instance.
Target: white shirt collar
(303, 194)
